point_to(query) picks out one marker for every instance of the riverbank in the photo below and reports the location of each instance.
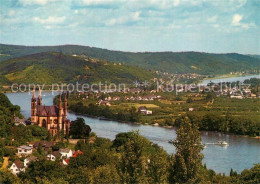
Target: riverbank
(157, 125)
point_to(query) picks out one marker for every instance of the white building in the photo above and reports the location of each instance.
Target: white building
(66, 153)
(17, 167)
(54, 155)
(144, 111)
(237, 97)
(24, 150)
(191, 109)
(28, 160)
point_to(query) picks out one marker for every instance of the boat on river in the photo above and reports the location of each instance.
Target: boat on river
(219, 143)
(222, 143)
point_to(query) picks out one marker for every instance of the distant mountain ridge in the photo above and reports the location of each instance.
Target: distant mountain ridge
(172, 62)
(56, 67)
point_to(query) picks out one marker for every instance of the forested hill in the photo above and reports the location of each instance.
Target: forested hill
(173, 62)
(55, 67)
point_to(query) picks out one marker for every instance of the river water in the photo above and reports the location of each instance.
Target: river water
(231, 79)
(241, 153)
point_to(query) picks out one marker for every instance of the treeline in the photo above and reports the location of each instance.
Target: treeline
(241, 125)
(130, 115)
(254, 82)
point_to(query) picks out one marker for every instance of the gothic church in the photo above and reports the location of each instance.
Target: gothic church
(53, 118)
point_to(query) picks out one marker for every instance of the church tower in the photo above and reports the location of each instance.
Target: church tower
(60, 114)
(65, 106)
(39, 99)
(33, 108)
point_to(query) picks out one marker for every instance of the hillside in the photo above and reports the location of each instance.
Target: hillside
(173, 62)
(54, 67)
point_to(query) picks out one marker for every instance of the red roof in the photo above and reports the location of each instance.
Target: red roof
(67, 161)
(76, 153)
(43, 110)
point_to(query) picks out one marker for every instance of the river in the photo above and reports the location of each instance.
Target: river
(241, 153)
(230, 79)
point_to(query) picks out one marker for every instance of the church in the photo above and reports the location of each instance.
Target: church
(53, 118)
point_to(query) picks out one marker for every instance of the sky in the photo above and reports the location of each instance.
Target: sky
(216, 26)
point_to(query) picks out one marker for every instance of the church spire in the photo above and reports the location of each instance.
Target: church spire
(65, 105)
(33, 94)
(33, 108)
(60, 102)
(39, 99)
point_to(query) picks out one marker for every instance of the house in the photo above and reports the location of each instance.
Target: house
(144, 111)
(116, 98)
(46, 145)
(66, 153)
(54, 155)
(17, 167)
(237, 97)
(139, 98)
(135, 90)
(150, 97)
(66, 161)
(104, 102)
(24, 150)
(75, 154)
(28, 160)
(191, 109)
(149, 112)
(18, 121)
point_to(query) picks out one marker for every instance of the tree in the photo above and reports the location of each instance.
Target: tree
(133, 162)
(158, 167)
(43, 169)
(79, 130)
(188, 159)
(250, 176)
(105, 174)
(7, 177)
(210, 96)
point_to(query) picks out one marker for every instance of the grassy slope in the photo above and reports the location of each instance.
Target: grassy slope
(53, 67)
(182, 62)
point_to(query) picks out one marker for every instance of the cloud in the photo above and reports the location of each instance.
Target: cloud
(236, 19)
(124, 20)
(176, 2)
(50, 20)
(35, 2)
(11, 13)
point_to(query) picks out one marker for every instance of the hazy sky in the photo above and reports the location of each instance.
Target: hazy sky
(218, 26)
